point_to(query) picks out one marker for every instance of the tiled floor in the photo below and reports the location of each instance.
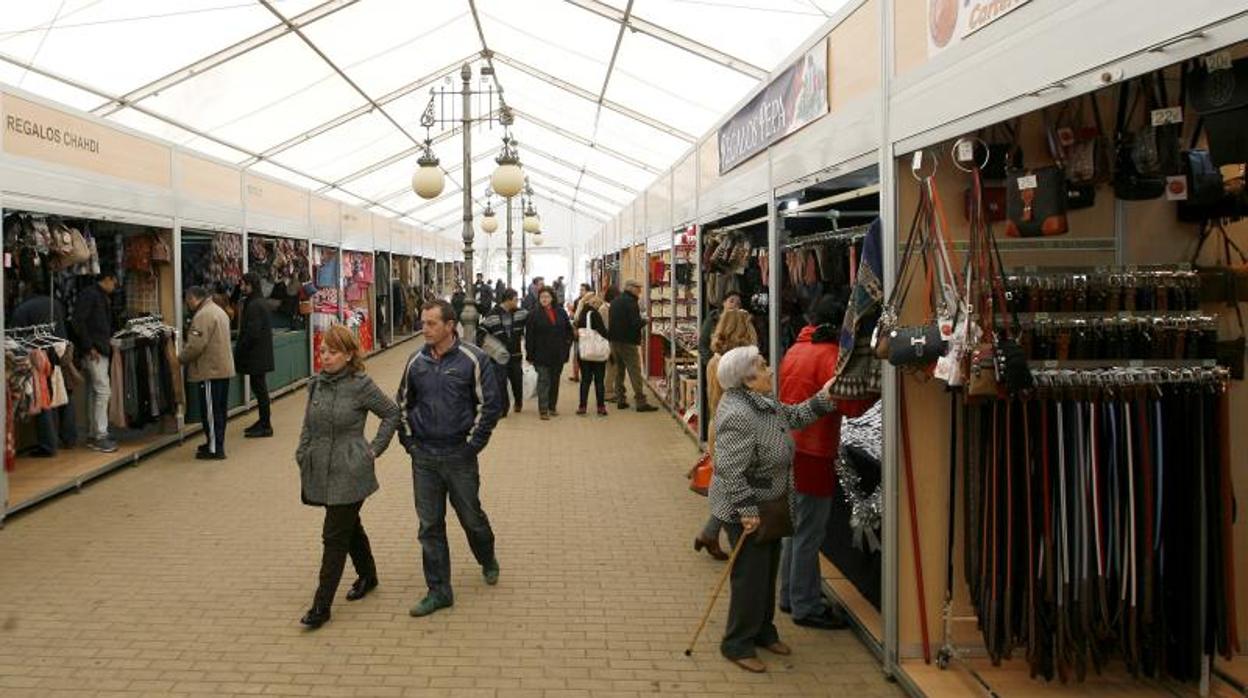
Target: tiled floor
(183, 577)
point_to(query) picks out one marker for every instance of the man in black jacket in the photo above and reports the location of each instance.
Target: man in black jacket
(93, 329)
(506, 322)
(625, 332)
(253, 353)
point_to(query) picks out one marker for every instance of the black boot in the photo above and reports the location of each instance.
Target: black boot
(315, 617)
(360, 588)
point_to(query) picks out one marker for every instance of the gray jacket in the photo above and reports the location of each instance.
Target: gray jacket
(335, 461)
(754, 450)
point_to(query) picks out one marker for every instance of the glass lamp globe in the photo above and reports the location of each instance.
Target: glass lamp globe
(489, 223)
(428, 181)
(537, 239)
(508, 179)
(532, 223)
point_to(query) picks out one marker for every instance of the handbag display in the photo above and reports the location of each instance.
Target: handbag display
(590, 345)
(775, 521)
(916, 345)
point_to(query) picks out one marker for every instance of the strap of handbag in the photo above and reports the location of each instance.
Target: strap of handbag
(941, 250)
(907, 268)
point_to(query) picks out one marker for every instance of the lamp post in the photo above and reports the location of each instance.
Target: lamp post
(428, 181)
(509, 242)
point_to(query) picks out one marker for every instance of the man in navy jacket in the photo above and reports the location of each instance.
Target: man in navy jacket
(450, 400)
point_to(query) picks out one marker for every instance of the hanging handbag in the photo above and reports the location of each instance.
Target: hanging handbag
(700, 476)
(1036, 203)
(590, 345)
(924, 343)
(775, 521)
(160, 251)
(1218, 92)
(1137, 174)
(1078, 148)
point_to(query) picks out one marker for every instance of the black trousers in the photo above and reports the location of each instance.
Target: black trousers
(260, 389)
(513, 373)
(214, 399)
(752, 608)
(342, 535)
(593, 372)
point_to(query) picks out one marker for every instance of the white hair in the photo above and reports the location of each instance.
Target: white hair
(737, 366)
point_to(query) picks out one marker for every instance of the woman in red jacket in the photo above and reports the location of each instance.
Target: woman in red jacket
(807, 366)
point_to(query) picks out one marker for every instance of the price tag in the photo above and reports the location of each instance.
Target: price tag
(917, 163)
(1220, 60)
(1169, 115)
(1026, 182)
(966, 151)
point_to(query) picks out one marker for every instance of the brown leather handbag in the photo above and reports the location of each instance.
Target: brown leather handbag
(774, 520)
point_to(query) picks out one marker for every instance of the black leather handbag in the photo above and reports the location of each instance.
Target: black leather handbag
(1137, 169)
(916, 345)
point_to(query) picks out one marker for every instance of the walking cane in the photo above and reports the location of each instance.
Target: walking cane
(732, 559)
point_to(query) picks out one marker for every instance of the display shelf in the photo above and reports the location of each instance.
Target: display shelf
(865, 617)
(977, 676)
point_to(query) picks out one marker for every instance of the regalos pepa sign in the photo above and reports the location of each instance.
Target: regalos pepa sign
(797, 97)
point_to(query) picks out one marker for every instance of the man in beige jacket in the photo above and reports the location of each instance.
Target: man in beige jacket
(210, 364)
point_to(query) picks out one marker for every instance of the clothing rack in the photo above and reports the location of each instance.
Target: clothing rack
(43, 328)
(848, 236)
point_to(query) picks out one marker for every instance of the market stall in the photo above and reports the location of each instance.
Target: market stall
(283, 267)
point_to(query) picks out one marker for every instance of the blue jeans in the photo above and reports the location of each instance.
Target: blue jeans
(801, 583)
(435, 479)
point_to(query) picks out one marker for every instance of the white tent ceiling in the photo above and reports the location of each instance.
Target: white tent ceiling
(328, 94)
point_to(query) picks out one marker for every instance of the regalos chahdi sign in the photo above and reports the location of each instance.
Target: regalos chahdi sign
(795, 98)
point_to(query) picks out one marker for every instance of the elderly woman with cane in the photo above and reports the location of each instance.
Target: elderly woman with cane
(750, 494)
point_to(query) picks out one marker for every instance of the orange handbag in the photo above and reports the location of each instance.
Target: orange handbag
(700, 476)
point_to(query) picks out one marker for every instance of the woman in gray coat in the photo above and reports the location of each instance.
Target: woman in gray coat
(754, 464)
(336, 463)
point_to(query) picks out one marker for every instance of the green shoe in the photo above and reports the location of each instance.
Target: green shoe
(490, 571)
(429, 604)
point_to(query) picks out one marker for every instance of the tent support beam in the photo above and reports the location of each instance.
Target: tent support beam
(671, 38)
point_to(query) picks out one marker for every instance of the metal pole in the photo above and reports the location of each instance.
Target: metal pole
(468, 318)
(524, 260)
(510, 242)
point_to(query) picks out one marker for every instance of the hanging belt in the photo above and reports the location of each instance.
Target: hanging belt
(916, 548)
(1231, 645)
(1147, 638)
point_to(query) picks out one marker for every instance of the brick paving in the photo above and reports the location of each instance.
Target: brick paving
(184, 577)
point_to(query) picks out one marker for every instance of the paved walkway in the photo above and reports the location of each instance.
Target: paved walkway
(184, 577)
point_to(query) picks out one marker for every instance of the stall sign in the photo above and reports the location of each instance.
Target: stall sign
(49, 135)
(325, 218)
(207, 181)
(795, 98)
(950, 21)
(272, 198)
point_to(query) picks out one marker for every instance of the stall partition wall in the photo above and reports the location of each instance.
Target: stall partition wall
(1149, 233)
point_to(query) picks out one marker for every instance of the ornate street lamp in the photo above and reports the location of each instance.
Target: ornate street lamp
(429, 181)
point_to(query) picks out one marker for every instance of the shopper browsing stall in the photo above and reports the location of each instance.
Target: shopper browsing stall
(93, 325)
(210, 365)
(810, 363)
(253, 353)
(625, 328)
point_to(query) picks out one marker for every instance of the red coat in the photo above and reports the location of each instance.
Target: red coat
(805, 369)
